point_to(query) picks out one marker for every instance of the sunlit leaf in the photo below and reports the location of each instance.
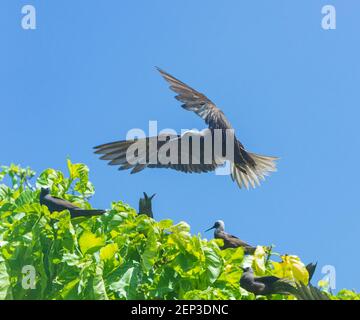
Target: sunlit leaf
(89, 242)
(108, 252)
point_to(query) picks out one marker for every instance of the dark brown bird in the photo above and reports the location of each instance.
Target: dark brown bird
(145, 205)
(273, 285)
(58, 204)
(230, 241)
(264, 285)
(247, 169)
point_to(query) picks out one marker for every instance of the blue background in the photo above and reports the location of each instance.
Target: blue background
(86, 76)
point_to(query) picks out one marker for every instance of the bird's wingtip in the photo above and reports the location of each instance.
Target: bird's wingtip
(162, 72)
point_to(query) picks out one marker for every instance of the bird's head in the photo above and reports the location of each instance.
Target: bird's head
(218, 225)
(44, 191)
(246, 269)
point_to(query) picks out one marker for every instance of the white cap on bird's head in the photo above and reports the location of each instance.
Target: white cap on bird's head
(219, 225)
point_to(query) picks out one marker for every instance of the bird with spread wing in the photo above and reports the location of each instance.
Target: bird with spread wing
(246, 168)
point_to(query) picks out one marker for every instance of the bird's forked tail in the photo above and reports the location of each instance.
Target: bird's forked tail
(250, 173)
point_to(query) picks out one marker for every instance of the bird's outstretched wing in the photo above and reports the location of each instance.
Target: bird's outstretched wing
(195, 101)
(117, 154)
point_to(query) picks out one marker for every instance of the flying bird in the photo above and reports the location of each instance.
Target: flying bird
(145, 205)
(230, 241)
(58, 204)
(246, 168)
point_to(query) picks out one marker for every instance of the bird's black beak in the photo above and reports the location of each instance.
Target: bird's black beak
(213, 227)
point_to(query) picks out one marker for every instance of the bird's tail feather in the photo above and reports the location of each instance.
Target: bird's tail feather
(86, 213)
(299, 290)
(311, 269)
(309, 292)
(247, 175)
(284, 286)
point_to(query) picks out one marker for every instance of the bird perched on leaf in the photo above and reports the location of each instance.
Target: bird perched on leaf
(264, 285)
(230, 241)
(268, 285)
(145, 205)
(247, 168)
(58, 204)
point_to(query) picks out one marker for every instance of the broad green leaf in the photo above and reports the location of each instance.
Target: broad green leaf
(121, 286)
(165, 224)
(259, 261)
(90, 243)
(108, 252)
(119, 255)
(4, 281)
(213, 263)
(26, 197)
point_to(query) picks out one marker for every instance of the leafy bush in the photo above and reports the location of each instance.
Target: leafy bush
(119, 255)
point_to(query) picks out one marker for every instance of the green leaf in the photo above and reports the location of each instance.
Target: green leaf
(26, 197)
(5, 289)
(119, 255)
(90, 243)
(213, 262)
(165, 224)
(108, 252)
(121, 286)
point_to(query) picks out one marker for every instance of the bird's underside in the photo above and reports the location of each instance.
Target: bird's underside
(247, 169)
(159, 152)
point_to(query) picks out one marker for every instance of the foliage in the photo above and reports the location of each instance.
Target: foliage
(119, 255)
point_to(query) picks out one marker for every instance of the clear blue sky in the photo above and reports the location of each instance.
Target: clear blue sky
(86, 76)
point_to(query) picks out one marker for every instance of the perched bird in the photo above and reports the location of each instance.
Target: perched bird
(247, 168)
(264, 285)
(230, 241)
(145, 205)
(273, 285)
(58, 204)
